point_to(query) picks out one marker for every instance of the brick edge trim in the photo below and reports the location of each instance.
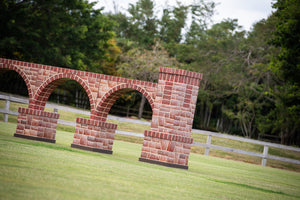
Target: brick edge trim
(30, 111)
(164, 163)
(181, 72)
(93, 122)
(167, 136)
(91, 149)
(34, 138)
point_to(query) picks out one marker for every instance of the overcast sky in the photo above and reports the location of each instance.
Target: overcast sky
(246, 11)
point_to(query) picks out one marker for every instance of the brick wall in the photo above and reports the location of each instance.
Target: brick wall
(169, 140)
(36, 124)
(41, 80)
(173, 102)
(94, 135)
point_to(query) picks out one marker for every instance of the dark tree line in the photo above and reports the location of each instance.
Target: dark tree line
(251, 79)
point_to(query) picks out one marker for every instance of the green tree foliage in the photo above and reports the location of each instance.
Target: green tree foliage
(287, 37)
(201, 12)
(172, 23)
(222, 77)
(112, 55)
(254, 103)
(143, 64)
(70, 34)
(244, 90)
(122, 24)
(142, 23)
(286, 66)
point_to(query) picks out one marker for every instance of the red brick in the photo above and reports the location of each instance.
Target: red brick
(152, 144)
(165, 144)
(145, 149)
(153, 157)
(83, 140)
(21, 126)
(171, 146)
(181, 161)
(76, 141)
(144, 154)
(166, 102)
(170, 160)
(165, 97)
(158, 145)
(91, 144)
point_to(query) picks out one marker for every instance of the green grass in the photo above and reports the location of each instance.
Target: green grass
(38, 170)
(138, 128)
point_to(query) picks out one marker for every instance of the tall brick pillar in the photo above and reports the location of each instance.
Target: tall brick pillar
(169, 140)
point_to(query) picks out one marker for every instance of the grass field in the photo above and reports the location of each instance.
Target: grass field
(38, 170)
(138, 128)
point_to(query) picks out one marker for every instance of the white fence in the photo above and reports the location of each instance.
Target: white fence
(264, 155)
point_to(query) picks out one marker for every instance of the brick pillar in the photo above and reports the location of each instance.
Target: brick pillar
(36, 125)
(169, 140)
(94, 135)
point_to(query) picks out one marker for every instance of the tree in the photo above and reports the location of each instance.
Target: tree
(142, 23)
(172, 22)
(112, 55)
(143, 64)
(287, 37)
(121, 26)
(201, 15)
(69, 34)
(287, 68)
(219, 57)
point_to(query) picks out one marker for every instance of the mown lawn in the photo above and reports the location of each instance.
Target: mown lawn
(38, 170)
(138, 128)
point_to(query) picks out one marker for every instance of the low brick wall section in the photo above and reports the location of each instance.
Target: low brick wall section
(93, 134)
(167, 148)
(36, 123)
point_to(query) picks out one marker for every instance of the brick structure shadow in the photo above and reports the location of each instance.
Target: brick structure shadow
(172, 100)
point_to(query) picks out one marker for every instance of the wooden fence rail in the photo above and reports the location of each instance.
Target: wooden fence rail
(264, 155)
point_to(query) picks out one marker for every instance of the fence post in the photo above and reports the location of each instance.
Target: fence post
(265, 154)
(5, 115)
(208, 141)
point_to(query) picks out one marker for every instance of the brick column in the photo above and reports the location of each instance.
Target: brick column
(36, 125)
(94, 135)
(169, 140)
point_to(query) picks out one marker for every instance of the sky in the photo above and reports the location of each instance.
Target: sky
(247, 12)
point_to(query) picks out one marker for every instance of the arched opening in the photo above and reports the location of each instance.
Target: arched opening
(129, 134)
(44, 91)
(132, 104)
(67, 97)
(12, 83)
(129, 137)
(70, 93)
(124, 90)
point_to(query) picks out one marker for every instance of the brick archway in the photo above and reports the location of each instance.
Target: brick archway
(107, 101)
(23, 75)
(47, 87)
(172, 99)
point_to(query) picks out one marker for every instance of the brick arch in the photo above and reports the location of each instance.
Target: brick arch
(24, 77)
(112, 95)
(46, 88)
